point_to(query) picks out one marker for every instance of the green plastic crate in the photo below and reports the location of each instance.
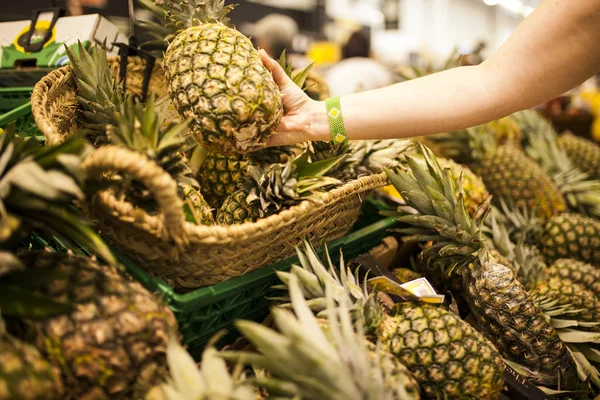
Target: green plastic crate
(11, 98)
(204, 312)
(15, 107)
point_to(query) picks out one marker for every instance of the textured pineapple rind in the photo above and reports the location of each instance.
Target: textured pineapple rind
(25, 374)
(217, 81)
(581, 273)
(584, 153)
(220, 176)
(567, 293)
(510, 175)
(572, 236)
(448, 357)
(508, 315)
(113, 343)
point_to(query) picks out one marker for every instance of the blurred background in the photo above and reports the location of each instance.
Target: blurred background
(358, 45)
(398, 31)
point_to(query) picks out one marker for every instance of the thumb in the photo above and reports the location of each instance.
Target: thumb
(279, 75)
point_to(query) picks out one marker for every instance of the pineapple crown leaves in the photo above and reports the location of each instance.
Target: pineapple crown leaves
(188, 382)
(438, 213)
(37, 188)
(465, 146)
(158, 30)
(370, 156)
(299, 78)
(318, 151)
(279, 184)
(318, 280)
(137, 127)
(522, 223)
(97, 90)
(179, 15)
(315, 277)
(307, 362)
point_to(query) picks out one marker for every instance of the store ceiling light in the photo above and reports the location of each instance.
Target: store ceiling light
(491, 2)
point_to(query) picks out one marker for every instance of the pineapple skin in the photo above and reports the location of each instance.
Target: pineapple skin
(567, 293)
(583, 274)
(507, 131)
(25, 374)
(113, 344)
(220, 176)
(509, 174)
(201, 210)
(235, 210)
(508, 316)
(448, 357)
(217, 81)
(584, 153)
(572, 236)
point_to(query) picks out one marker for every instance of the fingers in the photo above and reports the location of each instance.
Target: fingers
(279, 75)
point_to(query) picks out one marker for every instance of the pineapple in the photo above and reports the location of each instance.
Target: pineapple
(323, 359)
(585, 275)
(474, 190)
(529, 185)
(24, 374)
(370, 156)
(266, 192)
(507, 131)
(319, 151)
(448, 358)
(584, 153)
(220, 175)
(567, 293)
(504, 310)
(188, 382)
(137, 128)
(97, 92)
(216, 79)
(581, 193)
(571, 236)
(111, 344)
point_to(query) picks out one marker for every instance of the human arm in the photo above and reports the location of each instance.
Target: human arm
(552, 51)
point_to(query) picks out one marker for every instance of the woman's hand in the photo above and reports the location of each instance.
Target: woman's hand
(298, 108)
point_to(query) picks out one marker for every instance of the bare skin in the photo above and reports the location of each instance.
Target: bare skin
(552, 51)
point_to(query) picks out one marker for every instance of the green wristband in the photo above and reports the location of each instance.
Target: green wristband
(336, 122)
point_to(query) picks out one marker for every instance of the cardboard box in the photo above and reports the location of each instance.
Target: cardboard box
(67, 31)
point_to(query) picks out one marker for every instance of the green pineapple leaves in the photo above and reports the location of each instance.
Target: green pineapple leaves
(98, 92)
(37, 188)
(298, 78)
(438, 213)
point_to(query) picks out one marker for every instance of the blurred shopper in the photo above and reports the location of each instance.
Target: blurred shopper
(275, 33)
(552, 51)
(357, 72)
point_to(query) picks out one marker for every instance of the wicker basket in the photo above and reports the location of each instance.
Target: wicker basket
(185, 255)
(54, 99)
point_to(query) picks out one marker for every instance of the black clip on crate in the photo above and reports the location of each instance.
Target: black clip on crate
(57, 12)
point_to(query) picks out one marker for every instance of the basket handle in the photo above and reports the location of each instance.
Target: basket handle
(157, 181)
